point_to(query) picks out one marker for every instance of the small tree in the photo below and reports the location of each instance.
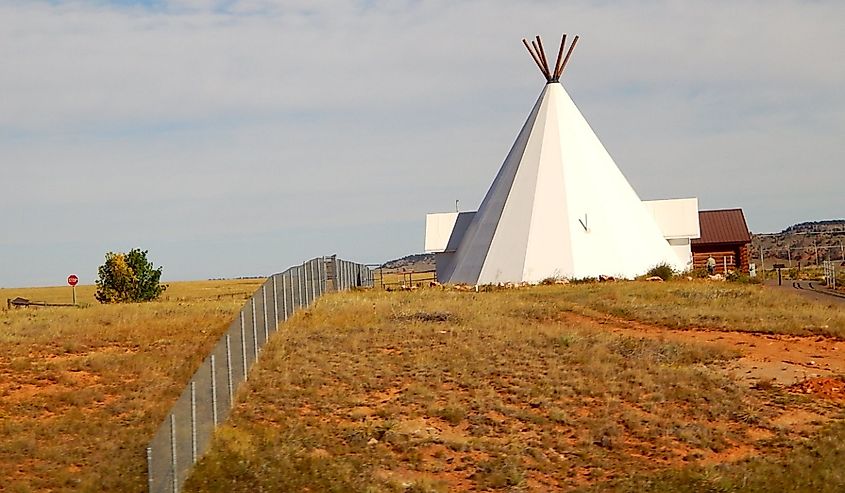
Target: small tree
(128, 277)
(662, 270)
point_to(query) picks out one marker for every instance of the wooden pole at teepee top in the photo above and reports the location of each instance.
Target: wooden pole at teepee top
(538, 54)
(568, 54)
(540, 57)
(533, 56)
(543, 57)
(558, 62)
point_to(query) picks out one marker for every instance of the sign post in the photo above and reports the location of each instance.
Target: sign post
(73, 280)
(780, 278)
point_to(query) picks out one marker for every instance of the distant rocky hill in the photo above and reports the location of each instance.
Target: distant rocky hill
(418, 262)
(808, 243)
(829, 226)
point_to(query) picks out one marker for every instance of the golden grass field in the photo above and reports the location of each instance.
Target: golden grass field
(518, 390)
(83, 389)
(612, 386)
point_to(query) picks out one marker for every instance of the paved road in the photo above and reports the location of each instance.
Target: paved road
(809, 289)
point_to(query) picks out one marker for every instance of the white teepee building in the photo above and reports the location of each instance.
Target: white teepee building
(559, 207)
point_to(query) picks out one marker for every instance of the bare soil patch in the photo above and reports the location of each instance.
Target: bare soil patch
(783, 360)
(826, 388)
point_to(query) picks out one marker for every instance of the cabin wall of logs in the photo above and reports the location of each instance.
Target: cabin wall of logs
(734, 257)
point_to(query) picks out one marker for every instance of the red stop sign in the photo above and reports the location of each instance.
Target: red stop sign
(72, 279)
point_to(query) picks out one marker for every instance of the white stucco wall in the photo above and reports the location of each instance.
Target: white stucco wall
(438, 228)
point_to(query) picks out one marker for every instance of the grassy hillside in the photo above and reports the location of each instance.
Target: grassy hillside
(511, 391)
(82, 389)
(372, 391)
(708, 305)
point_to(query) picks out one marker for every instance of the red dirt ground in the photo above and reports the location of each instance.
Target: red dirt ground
(783, 360)
(827, 388)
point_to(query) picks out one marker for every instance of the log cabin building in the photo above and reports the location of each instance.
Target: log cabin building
(725, 237)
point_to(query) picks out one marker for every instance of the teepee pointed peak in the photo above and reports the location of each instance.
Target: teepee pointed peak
(538, 54)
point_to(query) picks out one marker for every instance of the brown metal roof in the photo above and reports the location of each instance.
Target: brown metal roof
(722, 226)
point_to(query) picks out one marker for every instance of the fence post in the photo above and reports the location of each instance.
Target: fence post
(175, 482)
(213, 391)
(318, 283)
(243, 344)
(299, 284)
(229, 368)
(338, 281)
(313, 280)
(266, 329)
(193, 422)
(254, 333)
(275, 304)
(308, 283)
(285, 295)
(307, 296)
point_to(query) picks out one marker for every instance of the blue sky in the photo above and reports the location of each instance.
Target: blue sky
(235, 138)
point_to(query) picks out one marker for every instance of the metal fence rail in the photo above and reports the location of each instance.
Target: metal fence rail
(185, 435)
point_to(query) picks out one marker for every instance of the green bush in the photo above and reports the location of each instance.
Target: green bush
(128, 277)
(663, 271)
(551, 280)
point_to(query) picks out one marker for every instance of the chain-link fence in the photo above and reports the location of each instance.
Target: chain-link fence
(186, 433)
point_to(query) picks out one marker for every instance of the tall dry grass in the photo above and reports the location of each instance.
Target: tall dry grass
(704, 304)
(232, 289)
(492, 381)
(83, 388)
(496, 391)
(813, 465)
